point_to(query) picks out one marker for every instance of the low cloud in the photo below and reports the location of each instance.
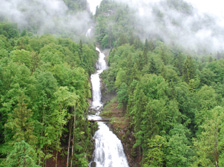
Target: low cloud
(177, 22)
(45, 16)
(174, 21)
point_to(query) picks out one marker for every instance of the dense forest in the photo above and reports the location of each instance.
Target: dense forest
(44, 91)
(172, 97)
(174, 104)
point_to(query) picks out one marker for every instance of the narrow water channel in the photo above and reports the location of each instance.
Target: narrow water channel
(108, 148)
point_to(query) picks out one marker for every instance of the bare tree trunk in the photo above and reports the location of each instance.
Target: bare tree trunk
(69, 142)
(42, 134)
(44, 160)
(56, 159)
(59, 139)
(73, 139)
(216, 148)
(56, 156)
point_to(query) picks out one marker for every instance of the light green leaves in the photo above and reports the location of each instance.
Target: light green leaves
(209, 143)
(23, 155)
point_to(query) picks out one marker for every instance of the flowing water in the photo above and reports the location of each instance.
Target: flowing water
(108, 148)
(95, 81)
(88, 33)
(93, 4)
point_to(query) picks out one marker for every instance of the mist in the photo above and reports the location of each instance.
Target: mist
(178, 23)
(45, 16)
(93, 4)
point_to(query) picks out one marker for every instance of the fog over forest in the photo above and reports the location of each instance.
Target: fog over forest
(178, 22)
(119, 83)
(45, 16)
(174, 21)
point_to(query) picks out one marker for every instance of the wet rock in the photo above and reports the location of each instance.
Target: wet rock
(93, 164)
(94, 111)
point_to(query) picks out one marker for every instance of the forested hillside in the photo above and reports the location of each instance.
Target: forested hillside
(172, 98)
(167, 85)
(44, 98)
(64, 18)
(114, 24)
(174, 104)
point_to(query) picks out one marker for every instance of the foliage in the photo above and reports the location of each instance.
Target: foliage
(43, 81)
(76, 5)
(209, 142)
(114, 24)
(172, 98)
(123, 95)
(20, 122)
(23, 155)
(168, 96)
(155, 151)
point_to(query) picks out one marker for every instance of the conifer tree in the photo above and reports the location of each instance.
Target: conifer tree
(23, 155)
(188, 69)
(209, 144)
(20, 122)
(145, 51)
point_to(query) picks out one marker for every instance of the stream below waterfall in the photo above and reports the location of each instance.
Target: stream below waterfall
(108, 148)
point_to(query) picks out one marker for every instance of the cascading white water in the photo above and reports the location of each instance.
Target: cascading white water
(95, 80)
(108, 148)
(88, 33)
(93, 4)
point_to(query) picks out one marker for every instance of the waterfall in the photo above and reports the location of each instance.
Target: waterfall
(88, 33)
(93, 4)
(108, 148)
(95, 81)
